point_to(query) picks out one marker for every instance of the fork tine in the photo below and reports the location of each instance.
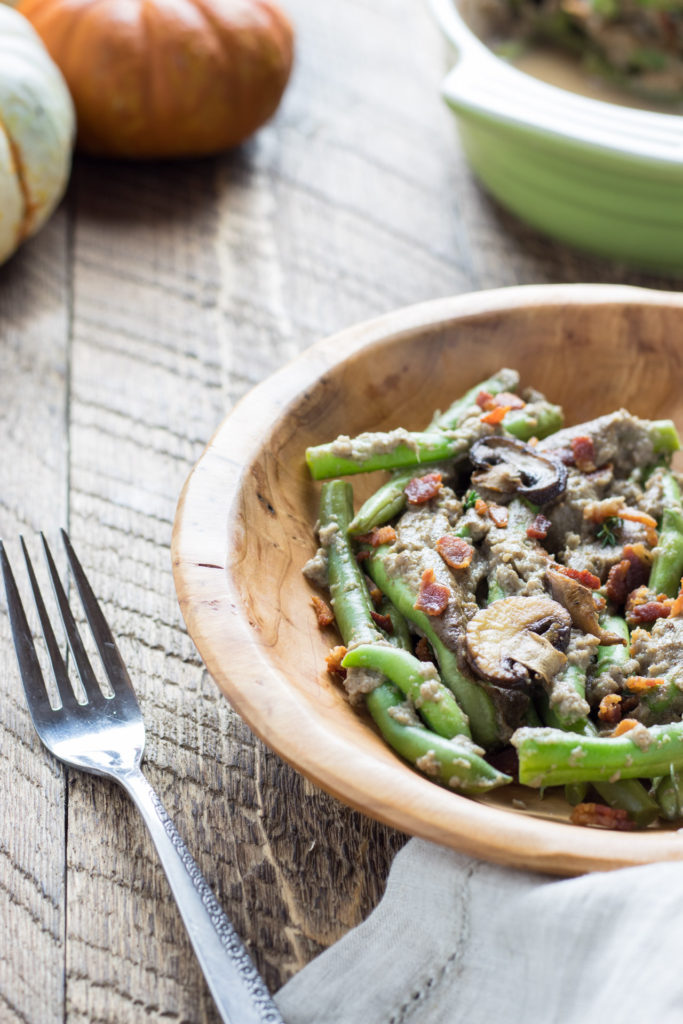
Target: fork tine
(29, 666)
(59, 671)
(114, 665)
(85, 671)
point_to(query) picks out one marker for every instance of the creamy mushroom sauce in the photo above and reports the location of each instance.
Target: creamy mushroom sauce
(510, 564)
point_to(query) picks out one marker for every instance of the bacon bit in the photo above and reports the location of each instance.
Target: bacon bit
(455, 551)
(677, 606)
(634, 515)
(641, 595)
(539, 528)
(602, 816)
(610, 708)
(378, 535)
(648, 612)
(323, 612)
(423, 488)
(582, 576)
(486, 401)
(480, 507)
(608, 508)
(583, 451)
(631, 572)
(625, 725)
(511, 401)
(334, 659)
(498, 515)
(617, 588)
(432, 597)
(640, 558)
(362, 556)
(641, 684)
(637, 637)
(496, 415)
(374, 591)
(422, 650)
(383, 621)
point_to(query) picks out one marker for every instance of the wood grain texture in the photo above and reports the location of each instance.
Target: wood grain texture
(35, 314)
(158, 296)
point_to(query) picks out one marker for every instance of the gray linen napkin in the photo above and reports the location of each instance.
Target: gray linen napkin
(455, 939)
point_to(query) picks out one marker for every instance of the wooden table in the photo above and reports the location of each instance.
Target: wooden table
(154, 299)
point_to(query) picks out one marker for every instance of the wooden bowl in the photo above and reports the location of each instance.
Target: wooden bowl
(244, 528)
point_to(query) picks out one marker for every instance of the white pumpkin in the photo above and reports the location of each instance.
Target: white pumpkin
(37, 127)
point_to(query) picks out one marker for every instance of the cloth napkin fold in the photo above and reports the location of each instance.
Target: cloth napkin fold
(457, 940)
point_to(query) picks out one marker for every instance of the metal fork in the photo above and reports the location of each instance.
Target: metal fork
(106, 736)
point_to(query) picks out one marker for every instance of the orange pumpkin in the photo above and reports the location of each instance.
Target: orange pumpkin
(166, 78)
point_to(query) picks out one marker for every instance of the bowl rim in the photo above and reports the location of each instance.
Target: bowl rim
(210, 603)
(483, 83)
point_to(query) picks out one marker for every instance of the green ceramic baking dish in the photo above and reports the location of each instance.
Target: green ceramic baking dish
(605, 178)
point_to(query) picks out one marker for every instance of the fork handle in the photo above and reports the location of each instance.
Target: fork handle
(236, 986)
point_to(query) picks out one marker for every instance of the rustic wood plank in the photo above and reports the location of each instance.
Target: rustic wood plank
(34, 329)
(191, 283)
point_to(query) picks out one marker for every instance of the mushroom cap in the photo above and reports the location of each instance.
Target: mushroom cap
(541, 477)
(516, 639)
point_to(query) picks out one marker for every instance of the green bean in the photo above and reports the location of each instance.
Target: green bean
(671, 490)
(400, 634)
(669, 796)
(575, 793)
(439, 710)
(635, 798)
(349, 593)
(387, 501)
(505, 380)
(570, 676)
(549, 757)
(473, 699)
(614, 654)
(667, 564)
(627, 794)
(455, 762)
(631, 796)
(664, 436)
(538, 419)
(661, 434)
(369, 452)
(665, 578)
(495, 592)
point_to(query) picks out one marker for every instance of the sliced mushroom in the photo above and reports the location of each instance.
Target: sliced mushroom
(578, 600)
(502, 478)
(517, 638)
(541, 476)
